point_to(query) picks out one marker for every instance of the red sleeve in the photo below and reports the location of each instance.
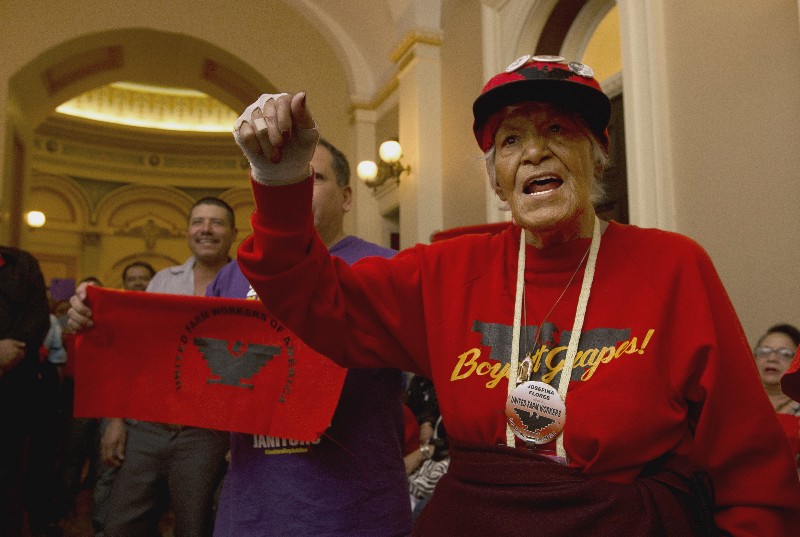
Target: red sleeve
(737, 437)
(69, 346)
(791, 427)
(790, 382)
(352, 315)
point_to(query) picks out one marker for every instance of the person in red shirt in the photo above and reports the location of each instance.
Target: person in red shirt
(593, 377)
(773, 354)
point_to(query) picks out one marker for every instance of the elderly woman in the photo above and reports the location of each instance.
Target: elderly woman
(593, 377)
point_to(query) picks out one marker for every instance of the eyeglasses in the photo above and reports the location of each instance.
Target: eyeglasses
(763, 352)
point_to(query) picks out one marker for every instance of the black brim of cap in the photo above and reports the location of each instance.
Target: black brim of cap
(591, 104)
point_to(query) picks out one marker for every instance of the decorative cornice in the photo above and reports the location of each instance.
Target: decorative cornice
(413, 38)
(150, 231)
(173, 109)
(120, 137)
(399, 54)
(121, 164)
(381, 97)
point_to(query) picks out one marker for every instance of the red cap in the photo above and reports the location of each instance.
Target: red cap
(542, 79)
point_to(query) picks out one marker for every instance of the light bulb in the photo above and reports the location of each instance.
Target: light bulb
(35, 218)
(390, 151)
(367, 170)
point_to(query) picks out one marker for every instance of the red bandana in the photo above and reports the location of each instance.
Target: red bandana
(209, 362)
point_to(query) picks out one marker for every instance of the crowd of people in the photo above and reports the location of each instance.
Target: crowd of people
(572, 406)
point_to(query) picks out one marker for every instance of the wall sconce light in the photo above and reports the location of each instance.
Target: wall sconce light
(388, 168)
(35, 219)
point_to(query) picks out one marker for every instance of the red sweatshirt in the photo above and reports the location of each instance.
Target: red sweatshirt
(663, 365)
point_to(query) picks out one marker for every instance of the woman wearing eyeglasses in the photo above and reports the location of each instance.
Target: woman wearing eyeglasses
(774, 353)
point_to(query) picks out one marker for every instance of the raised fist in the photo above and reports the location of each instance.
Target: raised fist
(278, 136)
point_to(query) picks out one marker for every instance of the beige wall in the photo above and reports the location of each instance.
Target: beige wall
(463, 170)
(734, 107)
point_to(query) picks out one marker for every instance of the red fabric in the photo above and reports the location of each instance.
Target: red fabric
(143, 360)
(790, 382)
(663, 365)
(411, 431)
(791, 426)
(467, 230)
(69, 346)
(514, 491)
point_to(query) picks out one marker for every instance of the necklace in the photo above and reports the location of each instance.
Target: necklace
(544, 319)
(786, 400)
(572, 347)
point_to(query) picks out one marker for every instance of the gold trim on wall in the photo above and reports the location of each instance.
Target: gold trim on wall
(411, 39)
(399, 53)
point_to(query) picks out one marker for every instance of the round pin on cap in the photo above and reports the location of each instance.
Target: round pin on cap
(581, 70)
(546, 58)
(519, 62)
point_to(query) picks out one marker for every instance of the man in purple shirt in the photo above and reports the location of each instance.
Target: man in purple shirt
(352, 481)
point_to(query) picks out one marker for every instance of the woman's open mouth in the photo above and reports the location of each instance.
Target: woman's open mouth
(541, 185)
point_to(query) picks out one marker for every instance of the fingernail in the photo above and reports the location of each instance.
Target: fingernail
(303, 98)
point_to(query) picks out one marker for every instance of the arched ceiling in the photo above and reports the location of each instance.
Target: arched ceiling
(366, 33)
(84, 68)
(93, 61)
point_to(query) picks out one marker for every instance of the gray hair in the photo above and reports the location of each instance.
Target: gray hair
(599, 157)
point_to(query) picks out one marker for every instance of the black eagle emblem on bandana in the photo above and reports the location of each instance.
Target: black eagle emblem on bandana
(239, 363)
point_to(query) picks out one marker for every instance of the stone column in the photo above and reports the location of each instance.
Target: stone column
(651, 196)
(420, 131)
(367, 215)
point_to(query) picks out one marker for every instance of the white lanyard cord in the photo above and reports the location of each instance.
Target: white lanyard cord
(520, 291)
(572, 348)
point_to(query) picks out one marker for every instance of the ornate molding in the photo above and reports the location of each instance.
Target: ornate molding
(149, 231)
(137, 105)
(120, 164)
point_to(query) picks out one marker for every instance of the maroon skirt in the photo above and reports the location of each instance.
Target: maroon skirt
(498, 490)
